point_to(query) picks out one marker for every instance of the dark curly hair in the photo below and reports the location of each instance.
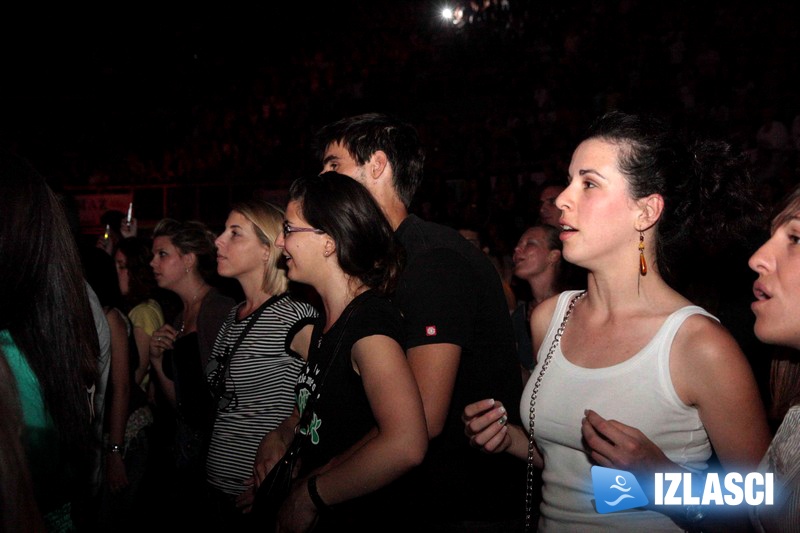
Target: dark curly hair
(709, 200)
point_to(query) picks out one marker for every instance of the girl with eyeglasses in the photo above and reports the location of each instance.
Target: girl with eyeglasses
(367, 426)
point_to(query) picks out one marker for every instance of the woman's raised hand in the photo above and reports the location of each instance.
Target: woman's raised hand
(485, 425)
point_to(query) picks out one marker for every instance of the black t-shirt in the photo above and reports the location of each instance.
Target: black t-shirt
(449, 292)
(342, 415)
(191, 390)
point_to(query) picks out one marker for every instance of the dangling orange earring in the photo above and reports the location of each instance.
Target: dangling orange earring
(642, 260)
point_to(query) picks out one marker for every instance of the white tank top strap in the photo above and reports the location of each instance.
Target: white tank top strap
(662, 342)
(668, 330)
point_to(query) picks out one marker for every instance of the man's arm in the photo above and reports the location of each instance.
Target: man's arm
(435, 367)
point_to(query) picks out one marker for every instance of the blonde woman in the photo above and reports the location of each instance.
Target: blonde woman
(257, 356)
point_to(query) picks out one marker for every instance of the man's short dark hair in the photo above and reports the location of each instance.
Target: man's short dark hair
(363, 135)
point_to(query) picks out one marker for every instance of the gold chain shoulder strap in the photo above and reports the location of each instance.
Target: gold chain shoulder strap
(532, 419)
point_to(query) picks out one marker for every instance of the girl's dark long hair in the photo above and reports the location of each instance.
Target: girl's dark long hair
(44, 302)
(345, 210)
(141, 281)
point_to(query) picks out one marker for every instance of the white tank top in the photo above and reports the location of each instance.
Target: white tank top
(637, 392)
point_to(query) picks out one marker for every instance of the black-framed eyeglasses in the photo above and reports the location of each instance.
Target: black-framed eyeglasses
(288, 228)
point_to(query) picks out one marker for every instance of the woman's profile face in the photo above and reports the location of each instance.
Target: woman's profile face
(531, 254)
(597, 211)
(777, 289)
(239, 250)
(303, 248)
(168, 265)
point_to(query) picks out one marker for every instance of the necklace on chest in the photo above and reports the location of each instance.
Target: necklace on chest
(532, 413)
(190, 313)
(185, 324)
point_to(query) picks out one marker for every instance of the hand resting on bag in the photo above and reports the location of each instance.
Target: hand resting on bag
(273, 446)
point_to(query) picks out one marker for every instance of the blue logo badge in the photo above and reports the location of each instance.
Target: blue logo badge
(616, 490)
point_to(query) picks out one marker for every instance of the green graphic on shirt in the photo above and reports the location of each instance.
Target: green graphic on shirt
(313, 426)
(302, 400)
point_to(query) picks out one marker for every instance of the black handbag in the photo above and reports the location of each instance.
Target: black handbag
(276, 485)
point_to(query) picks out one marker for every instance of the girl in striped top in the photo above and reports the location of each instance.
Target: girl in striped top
(256, 358)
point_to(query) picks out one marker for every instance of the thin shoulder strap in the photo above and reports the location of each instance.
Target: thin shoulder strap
(247, 328)
(674, 321)
(309, 408)
(222, 363)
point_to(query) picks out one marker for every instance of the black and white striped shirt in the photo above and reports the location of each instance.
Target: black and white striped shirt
(259, 386)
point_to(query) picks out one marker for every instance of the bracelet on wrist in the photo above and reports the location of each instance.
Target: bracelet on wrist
(315, 497)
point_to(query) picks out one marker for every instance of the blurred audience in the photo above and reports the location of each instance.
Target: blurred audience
(539, 263)
(474, 237)
(137, 284)
(549, 213)
(127, 416)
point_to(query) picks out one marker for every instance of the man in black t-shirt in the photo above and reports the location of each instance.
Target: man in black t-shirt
(458, 334)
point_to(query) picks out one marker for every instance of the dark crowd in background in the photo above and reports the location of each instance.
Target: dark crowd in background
(232, 98)
(212, 106)
(191, 113)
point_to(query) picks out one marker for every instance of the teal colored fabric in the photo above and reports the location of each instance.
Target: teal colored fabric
(49, 472)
